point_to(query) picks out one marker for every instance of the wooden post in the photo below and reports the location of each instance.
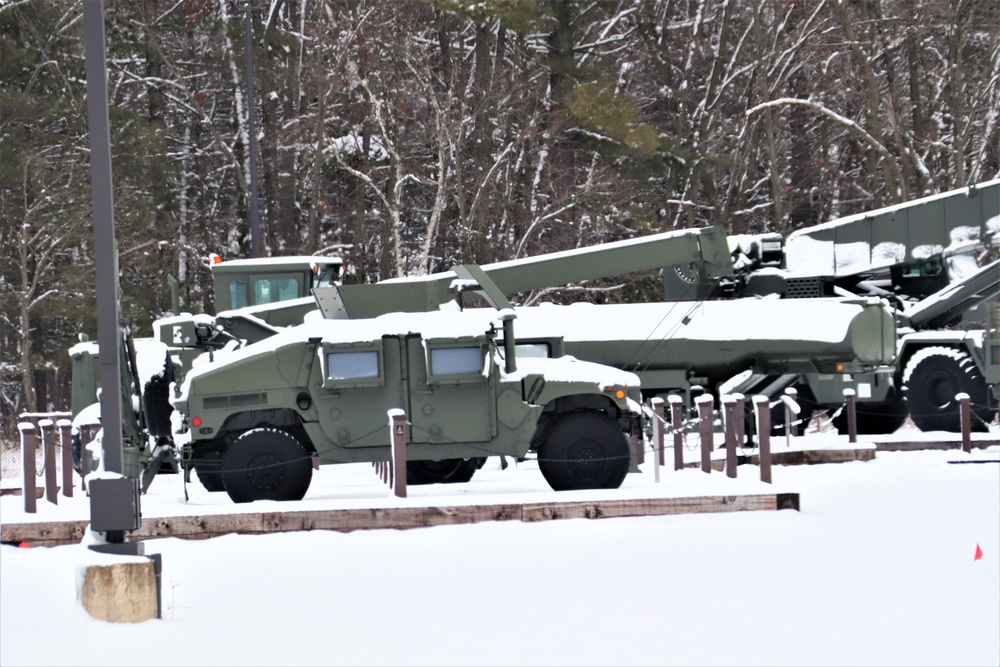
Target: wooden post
(677, 424)
(705, 414)
(640, 448)
(397, 421)
(965, 417)
(729, 409)
(49, 459)
(66, 446)
(791, 421)
(28, 441)
(662, 421)
(762, 409)
(850, 404)
(739, 419)
(658, 430)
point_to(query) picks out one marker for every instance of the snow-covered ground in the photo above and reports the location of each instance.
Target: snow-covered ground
(877, 568)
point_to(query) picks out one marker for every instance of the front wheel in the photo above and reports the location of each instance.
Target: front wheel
(209, 470)
(266, 464)
(584, 451)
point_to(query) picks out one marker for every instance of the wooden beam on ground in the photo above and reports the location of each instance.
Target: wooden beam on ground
(54, 533)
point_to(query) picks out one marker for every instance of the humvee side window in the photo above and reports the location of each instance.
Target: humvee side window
(351, 365)
(456, 360)
(273, 290)
(237, 294)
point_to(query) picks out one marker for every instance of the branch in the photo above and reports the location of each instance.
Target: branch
(846, 122)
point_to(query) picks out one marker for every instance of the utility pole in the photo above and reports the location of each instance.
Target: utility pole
(253, 205)
(114, 501)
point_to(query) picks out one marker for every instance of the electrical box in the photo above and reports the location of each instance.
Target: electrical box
(114, 504)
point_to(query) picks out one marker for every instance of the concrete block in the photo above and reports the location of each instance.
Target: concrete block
(120, 593)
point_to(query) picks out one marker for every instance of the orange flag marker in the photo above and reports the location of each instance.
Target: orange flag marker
(979, 552)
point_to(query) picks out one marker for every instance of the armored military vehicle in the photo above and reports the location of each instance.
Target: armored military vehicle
(259, 416)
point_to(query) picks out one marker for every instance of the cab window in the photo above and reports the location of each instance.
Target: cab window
(237, 294)
(351, 365)
(273, 290)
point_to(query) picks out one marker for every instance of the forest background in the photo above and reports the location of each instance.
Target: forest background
(407, 136)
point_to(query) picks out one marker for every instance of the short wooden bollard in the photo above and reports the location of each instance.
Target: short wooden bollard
(791, 420)
(49, 448)
(850, 404)
(762, 409)
(397, 424)
(965, 418)
(729, 409)
(66, 446)
(661, 420)
(739, 419)
(658, 431)
(677, 424)
(121, 592)
(28, 440)
(640, 449)
(705, 430)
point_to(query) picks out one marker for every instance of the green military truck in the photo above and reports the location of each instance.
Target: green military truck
(256, 418)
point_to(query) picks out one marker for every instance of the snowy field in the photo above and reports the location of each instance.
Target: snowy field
(878, 568)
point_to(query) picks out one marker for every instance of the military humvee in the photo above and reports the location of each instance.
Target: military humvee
(259, 416)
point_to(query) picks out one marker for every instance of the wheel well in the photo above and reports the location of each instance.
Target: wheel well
(560, 407)
(283, 419)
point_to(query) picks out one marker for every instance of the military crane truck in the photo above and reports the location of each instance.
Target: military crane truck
(259, 416)
(931, 259)
(673, 346)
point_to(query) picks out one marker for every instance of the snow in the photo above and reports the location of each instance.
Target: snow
(877, 568)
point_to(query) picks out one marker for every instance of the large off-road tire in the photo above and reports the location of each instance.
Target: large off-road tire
(584, 451)
(876, 418)
(933, 376)
(209, 469)
(156, 406)
(442, 471)
(266, 464)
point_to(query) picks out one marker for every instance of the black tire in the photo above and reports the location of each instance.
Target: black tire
(156, 406)
(266, 464)
(584, 451)
(209, 469)
(880, 418)
(933, 376)
(442, 471)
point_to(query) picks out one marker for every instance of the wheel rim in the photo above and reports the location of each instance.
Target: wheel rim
(266, 471)
(586, 458)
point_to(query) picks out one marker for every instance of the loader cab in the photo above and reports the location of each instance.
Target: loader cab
(240, 283)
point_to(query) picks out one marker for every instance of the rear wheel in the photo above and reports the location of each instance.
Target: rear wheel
(876, 418)
(933, 376)
(442, 471)
(584, 451)
(266, 464)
